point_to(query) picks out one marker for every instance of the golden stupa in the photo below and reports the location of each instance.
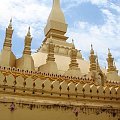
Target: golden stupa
(56, 83)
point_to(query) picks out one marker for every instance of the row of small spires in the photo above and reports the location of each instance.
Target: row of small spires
(94, 65)
(8, 39)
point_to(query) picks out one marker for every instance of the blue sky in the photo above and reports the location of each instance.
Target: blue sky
(94, 22)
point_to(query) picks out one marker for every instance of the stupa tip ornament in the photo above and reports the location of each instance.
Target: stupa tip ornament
(73, 45)
(10, 24)
(28, 34)
(92, 51)
(56, 10)
(109, 53)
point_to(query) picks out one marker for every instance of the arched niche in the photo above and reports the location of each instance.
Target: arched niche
(38, 83)
(55, 86)
(101, 79)
(118, 91)
(47, 85)
(112, 92)
(29, 82)
(106, 91)
(100, 90)
(79, 88)
(93, 90)
(71, 87)
(86, 89)
(63, 87)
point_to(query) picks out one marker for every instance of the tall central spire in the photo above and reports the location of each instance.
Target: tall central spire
(56, 24)
(56, 13)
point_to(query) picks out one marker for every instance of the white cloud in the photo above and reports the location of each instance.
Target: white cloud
(98, 2)
(24, 13)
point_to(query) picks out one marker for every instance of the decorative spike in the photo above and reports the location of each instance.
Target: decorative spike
(10, 24)
(92, 51)
(91, 47)
(27, 46)
(28, 34)
(73, 46)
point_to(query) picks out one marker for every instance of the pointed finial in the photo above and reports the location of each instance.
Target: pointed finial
(28, 34)
(10, 24)
(11, 20)
(92, 51)
(73, 46)
(109, 53)
(91, 47)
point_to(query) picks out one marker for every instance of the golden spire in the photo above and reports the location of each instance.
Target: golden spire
(27, 46)
(56, 24)
(56, 10)
(73, 56)
(110, 61)
(50, 56)
(109, 53)
(92, 59)
(92, 51)
(8, 37)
